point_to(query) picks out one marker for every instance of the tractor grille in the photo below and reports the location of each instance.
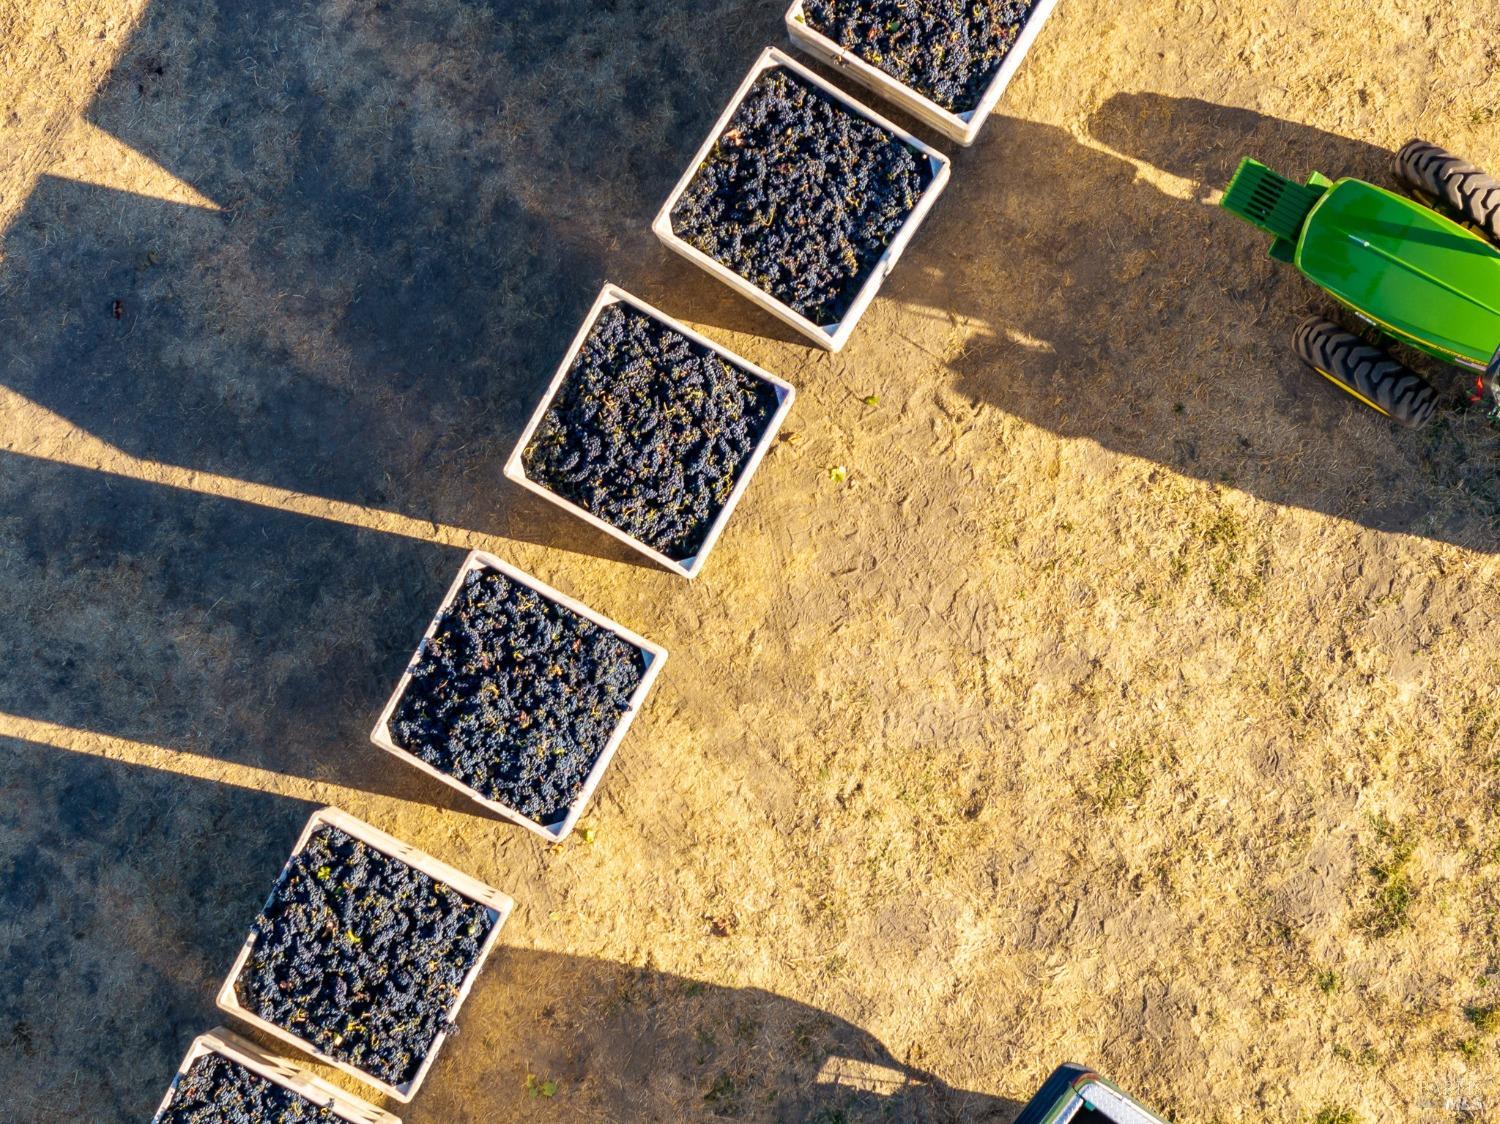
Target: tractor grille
(1270, 201)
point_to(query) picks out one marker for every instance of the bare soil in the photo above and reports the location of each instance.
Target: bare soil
(1131, 699)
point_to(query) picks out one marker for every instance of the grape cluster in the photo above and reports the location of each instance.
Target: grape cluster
(216, 1090)
(649, 431)
(361, 955)
(516, 696)
(948, 50)
(800, 196)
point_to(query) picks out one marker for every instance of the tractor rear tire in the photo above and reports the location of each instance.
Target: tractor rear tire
(1365, 371)
(1467, 191)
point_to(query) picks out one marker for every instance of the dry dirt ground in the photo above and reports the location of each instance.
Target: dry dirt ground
(1132, 702)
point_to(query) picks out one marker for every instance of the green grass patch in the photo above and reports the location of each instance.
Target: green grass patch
(1123, 780)
(1219, 549)
(1485, 1020)
(1390, 911)
(1336, 1114)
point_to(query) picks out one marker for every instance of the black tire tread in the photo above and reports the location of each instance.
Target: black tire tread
(1469, 191)
(1366, 371)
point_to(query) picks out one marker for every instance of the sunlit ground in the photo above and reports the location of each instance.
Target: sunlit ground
(1127, 702)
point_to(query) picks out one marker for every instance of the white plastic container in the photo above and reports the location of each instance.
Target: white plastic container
(655, 657)
(278, 1071)
(497, 903)
(515, 469)
(831, 336)
(961, 127)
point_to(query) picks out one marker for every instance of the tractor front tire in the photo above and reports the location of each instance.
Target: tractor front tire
(1365, 371)
(1467, 191)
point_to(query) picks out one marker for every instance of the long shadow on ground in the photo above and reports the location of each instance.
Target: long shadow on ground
(225, 630)
(127, 890)
(419, 204)
(419, 201)
(124, 892)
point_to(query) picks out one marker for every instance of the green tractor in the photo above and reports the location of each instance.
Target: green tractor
(1424, 279)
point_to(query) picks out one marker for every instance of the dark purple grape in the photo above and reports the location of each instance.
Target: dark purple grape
(649, 431)
(516, 696)
(215, 1090)
(801, 196)
(948, 50)
(361, 955)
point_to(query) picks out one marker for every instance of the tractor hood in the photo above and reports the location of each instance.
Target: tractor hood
(1418, 275)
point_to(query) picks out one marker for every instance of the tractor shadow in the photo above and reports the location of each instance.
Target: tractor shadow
(1110, 299)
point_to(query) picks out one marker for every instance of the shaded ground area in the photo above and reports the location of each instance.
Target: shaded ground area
(1127, 701)
(1100, 335)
